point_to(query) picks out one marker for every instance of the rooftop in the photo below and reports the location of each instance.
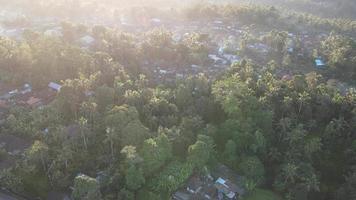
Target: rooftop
(319, 62)
(54, 86)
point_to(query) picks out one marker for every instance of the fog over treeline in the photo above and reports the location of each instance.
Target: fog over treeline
(323, 8)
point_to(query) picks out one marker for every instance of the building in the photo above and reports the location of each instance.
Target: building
(55, 32)
(197, 188)
(26, 89)
(217, 60)
(319, 63)
(228, 183)
(54, 86)
(231, 58)
(87, 40)
(226, 188)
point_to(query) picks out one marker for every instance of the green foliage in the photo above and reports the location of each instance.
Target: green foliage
(171, 178)
(105, 96)
(200, 152)
(134, 178)
(294, 134)
(262, 194)
(126, 195)
(340, 52)
(126, 129)
(8, 179)
(230, 153)
(147, 195)
(155, 153)
(86, 187)
(3, 154)
(131, 156)
(19, 122)
(253, 170)
(347, 190)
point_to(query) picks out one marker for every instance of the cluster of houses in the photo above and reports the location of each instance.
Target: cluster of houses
(221, 184)
(26, 96)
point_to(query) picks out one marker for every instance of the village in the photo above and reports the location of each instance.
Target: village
(224, 46)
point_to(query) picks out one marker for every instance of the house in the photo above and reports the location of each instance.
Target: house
(13, 33)
(54, 86)
(221, 50)
(227, 182)
(86, 40)
(290, 50)
(225, 186)
(287, 77)
(26, 89)
(155, 21)
(14, 92)
(228, 189)
(216, 59)
(197, 187)
(231, 58)
(56, 32)
(262, 48)
(194, 185)
(176, 37)
(10, 94)
(319, 63)
(162, 71)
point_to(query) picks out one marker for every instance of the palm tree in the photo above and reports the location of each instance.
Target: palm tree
(110, 134)
(290, 172)
(82, 124)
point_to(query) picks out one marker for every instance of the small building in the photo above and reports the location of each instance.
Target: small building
(227, 182)
(176, 37)
(155, 21)
(231, 58)
(54, 86)
(290, 50)
(162, 71)
(217, 60)
(26, 89)
(287, 77)
(56, 32)
(86, 40)
(194, 185)
(227, 185)
(14, 92)
(319, 63)
(228, 189)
